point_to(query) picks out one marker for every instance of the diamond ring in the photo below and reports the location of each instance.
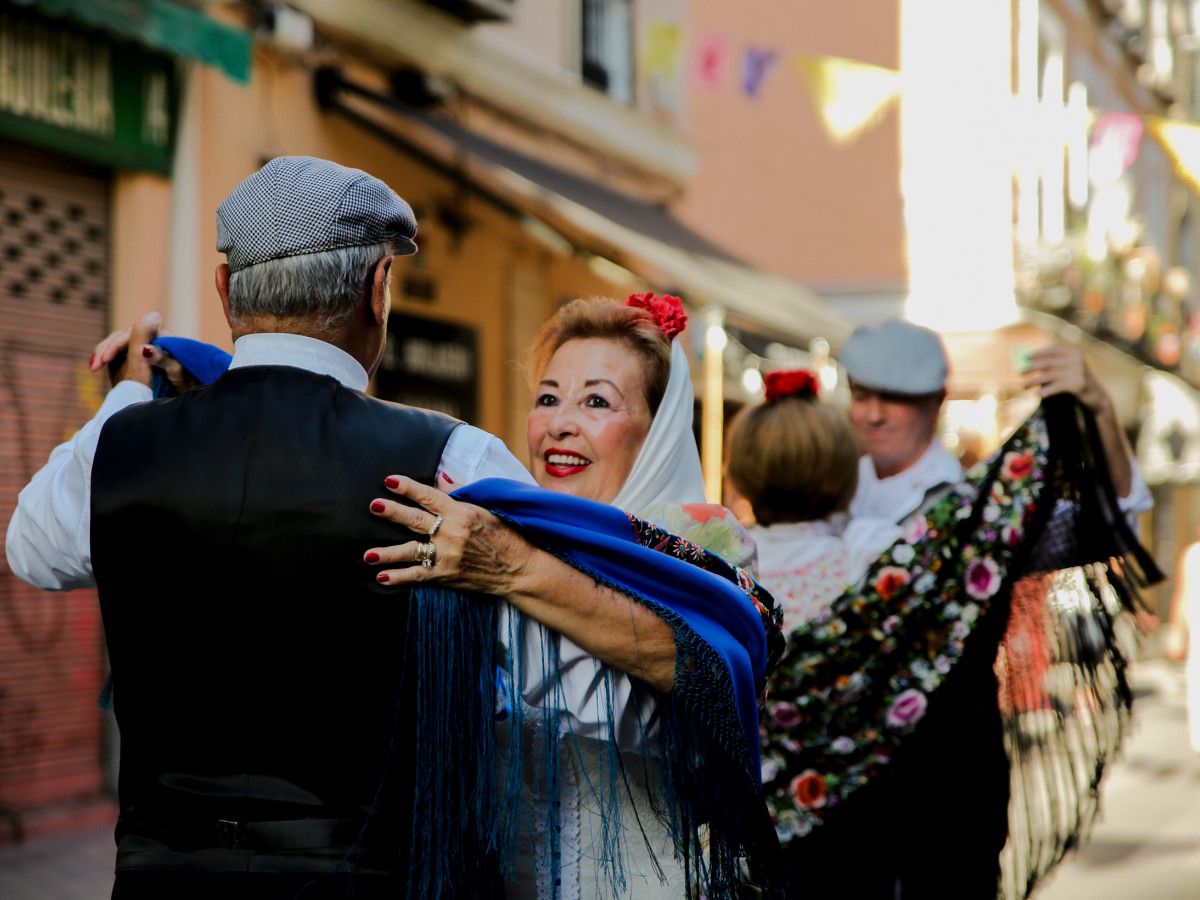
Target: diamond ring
(427, 554)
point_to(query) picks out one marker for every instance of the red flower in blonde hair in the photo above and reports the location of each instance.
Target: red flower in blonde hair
(793, 383)
(666, 311)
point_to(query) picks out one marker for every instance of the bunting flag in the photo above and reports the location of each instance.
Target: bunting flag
(1116, 138)
(849, 95)
(1180, 141)
(712, 54)
(664, 43)
(755, 64)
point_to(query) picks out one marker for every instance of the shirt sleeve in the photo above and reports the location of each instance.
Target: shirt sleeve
(49, 541)
(1139, 499)
(471, 454)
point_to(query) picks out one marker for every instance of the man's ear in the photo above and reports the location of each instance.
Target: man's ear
(222, 277)
(380, 302)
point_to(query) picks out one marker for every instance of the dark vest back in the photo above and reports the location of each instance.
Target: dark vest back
(258, 667)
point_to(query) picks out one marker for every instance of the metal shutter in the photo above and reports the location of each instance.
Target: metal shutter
(53, 308)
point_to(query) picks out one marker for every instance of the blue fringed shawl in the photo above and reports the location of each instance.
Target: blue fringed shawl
(706, 745)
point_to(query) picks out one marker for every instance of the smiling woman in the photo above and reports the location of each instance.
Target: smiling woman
(589, 420)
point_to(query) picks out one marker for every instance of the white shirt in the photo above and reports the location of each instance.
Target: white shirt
(49, 536)
(808, 565)
(894, 498)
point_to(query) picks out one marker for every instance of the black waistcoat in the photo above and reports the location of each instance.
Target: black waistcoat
(258, 667)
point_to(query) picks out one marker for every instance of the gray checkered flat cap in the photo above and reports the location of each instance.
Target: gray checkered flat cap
(896, 357)
(299, 204)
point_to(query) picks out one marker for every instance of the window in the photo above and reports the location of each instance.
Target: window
(606, 60)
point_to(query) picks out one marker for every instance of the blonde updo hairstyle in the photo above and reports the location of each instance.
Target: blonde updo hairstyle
(794, 459)
(606, 319)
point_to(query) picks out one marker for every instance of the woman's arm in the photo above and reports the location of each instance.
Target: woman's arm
(1063, 370)
(476, 551)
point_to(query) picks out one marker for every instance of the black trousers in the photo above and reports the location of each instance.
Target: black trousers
(260, 886)
(251, 886)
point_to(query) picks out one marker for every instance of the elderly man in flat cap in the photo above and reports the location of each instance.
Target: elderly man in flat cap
(263, 680)
(897, 374)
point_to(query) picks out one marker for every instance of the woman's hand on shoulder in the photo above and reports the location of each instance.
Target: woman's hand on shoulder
(473, 550)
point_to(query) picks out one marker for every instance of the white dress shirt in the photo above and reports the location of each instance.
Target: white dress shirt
(896, 497)
(49, 536)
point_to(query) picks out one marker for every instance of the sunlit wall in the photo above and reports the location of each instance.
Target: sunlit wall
(957, 163)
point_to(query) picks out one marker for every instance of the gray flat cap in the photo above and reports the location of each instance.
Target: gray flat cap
(897, 357)
(299, 204)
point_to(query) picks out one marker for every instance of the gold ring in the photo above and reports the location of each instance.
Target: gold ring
(427, 554)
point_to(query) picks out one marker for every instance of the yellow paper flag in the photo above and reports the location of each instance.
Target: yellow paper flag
(663, 43)
(1181, 142)
(849, 95)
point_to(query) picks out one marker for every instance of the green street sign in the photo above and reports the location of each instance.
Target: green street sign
(80, 93)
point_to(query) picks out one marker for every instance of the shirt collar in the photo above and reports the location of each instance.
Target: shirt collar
(936, 465)
(276, 348)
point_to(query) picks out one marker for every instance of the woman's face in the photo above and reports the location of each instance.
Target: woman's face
(589, 419)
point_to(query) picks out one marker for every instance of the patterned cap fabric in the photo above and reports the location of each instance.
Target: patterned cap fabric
(299, 204)
(896, 357)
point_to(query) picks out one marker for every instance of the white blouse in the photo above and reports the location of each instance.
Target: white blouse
(807, 565)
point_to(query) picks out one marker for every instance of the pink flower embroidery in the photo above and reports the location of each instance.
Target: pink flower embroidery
(907, 708)
(915, 528)
(785, 714)
(983, 578)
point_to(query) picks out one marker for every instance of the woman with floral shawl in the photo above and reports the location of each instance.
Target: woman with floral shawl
(878, 726)
(670, 808)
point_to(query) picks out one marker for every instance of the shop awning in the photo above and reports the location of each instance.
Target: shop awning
(162, 25)
(643, 237)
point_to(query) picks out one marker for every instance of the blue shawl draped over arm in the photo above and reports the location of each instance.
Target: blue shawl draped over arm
(707, 743)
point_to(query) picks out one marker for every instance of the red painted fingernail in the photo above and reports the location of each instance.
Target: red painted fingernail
(382, 577)
(91, 360)
(371, 556)
(392, 481)
(147, 351)
(377, 506)
(449, 480)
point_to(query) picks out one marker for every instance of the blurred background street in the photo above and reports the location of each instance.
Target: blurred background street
(1011, 174)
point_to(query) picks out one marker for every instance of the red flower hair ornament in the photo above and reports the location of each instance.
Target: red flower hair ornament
(793, 383)
(666, 311)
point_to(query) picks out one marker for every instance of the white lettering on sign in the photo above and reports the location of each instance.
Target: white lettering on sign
(57, 78)
(156, 116)
(449, 362)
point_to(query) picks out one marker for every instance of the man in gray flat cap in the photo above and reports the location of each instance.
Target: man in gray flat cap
(897, 372)
(264, 679)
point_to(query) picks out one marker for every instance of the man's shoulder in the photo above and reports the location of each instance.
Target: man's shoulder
(402, 411)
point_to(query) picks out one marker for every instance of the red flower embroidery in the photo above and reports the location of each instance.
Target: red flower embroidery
(792, 383)
(666, 311)
(808, 789)
(702, 512)
(890, 580)
(1017, 466)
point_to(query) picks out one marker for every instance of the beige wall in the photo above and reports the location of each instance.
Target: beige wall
(141, 216)
(772, 188)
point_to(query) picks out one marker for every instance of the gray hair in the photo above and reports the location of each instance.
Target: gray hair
(328, 287)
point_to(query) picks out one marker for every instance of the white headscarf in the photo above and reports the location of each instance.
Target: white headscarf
(667, 468)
